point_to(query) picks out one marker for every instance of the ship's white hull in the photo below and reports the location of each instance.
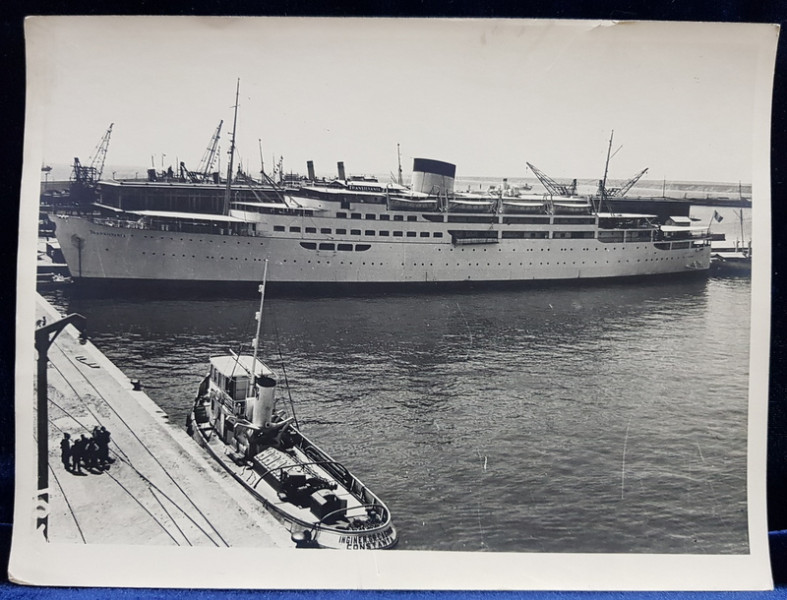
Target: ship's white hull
(98, 251)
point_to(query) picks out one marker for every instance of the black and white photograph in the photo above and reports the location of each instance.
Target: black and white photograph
(389, 303)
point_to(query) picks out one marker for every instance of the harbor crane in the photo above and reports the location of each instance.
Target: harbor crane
(205, 168)
(100, 156)
(552, 186)
(92, 173)
(604, 193)
(621, 191)
(85, 177)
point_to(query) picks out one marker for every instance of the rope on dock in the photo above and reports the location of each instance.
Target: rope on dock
(152, 516)
(171, 518)
(153, 486)
(170, 477)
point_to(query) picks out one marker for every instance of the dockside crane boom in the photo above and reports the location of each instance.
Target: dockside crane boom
(621, 191)
(205, 168)
(100, 155)
(552, 186)
(88, 175)
(85, 177)
(262, 162)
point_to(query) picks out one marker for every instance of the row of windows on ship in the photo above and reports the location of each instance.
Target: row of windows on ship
(616, 235)
(602, 235)
(492, 218)
(605, 222)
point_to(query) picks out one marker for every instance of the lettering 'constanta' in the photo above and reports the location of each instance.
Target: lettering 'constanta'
(380, 539)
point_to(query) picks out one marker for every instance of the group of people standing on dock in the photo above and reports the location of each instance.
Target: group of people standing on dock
(91, 452)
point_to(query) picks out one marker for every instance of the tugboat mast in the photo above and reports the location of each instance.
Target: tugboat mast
(259, 322)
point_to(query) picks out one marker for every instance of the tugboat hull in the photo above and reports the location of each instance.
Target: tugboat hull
(319, 501)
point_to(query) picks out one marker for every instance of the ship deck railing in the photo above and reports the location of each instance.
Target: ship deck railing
(383, 517)
(177, 223)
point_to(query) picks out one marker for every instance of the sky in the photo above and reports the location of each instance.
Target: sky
(486, 95)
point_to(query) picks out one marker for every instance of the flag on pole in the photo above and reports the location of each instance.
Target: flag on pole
(717, 217)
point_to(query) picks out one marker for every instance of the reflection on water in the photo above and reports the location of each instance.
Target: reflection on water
(599, 418)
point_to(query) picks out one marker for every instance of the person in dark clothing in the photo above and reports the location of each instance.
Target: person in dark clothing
(77, 453)
(102, 440)
(90, 456)
(97, 436)
(65, 451)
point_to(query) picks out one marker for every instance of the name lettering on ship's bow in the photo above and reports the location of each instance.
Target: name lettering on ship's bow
(93, 232)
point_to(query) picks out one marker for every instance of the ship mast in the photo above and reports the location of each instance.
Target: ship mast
(227, 191)
(740, 218)
(259, 321)
(399, 156)
(603, 187)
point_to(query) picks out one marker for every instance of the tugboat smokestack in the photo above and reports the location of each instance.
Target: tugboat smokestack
(262, 406)
(310, 169)
(340, 167)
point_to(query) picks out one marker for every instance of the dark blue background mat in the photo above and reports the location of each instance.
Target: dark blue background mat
(11, 136)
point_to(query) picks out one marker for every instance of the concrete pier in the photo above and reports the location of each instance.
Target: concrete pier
(161, 489)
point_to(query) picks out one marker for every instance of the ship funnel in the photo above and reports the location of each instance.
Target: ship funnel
(340, 167)
(262, 406)
(433, 176)
(310, 169)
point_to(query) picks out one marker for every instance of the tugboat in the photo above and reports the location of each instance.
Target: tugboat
(241, 424)
(735, 261)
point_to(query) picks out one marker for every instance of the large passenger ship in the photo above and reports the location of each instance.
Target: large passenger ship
(366, 232)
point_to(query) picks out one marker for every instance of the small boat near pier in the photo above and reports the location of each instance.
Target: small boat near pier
(734, 260)
(241, 424)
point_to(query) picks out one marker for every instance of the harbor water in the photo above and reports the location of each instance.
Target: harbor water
(602, 417)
